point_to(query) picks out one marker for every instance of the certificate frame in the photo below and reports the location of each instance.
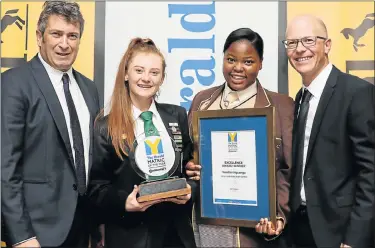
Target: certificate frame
(262, 122)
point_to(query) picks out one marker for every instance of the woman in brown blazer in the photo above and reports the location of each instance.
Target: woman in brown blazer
(243, 56)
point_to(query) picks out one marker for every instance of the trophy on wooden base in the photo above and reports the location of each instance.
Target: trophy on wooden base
(156, 158)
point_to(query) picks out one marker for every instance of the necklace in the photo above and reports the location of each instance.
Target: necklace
(226, 104)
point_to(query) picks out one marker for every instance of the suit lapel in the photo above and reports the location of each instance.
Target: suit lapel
(262, 99)
(323, 103)
(45, 85)
(90, 105)
(85, 92)
(205, 104)
(297, 102)
(168, 116)
(296, 107)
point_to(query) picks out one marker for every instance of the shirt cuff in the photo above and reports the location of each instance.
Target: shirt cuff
(23, 241)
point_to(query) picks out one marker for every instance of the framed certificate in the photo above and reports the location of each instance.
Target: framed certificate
(236, 151)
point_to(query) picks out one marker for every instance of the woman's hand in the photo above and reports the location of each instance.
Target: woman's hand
(29, 243)
(132, 205)
(266, 227)
(193, 171)
(182, 199)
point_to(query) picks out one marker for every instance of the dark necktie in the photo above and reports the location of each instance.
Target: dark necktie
(300, 139)
(77, 138)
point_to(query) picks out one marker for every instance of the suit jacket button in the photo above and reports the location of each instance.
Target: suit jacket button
(75, 187)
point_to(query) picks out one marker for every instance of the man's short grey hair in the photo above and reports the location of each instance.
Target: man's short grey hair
(69, 10)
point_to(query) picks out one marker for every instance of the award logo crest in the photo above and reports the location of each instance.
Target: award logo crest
(232, 142)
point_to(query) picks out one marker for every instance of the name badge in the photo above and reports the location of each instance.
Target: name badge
(176, 135)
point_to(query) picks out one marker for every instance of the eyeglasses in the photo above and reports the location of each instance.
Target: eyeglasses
(306, 42)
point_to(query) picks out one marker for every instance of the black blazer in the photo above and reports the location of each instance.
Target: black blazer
(339, 176)
(112, 180)
(38, 196)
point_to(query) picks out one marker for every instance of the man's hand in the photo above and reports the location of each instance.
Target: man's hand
(266, 227)
(30, 243)
(132, 205)
(345, 246)
(182, 199)
(193, 171)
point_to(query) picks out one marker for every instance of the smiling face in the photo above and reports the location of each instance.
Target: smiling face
(241, 65)
(145, 75)
(308, 61)
(60, 43)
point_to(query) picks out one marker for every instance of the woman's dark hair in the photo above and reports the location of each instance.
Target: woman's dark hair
(245, 34)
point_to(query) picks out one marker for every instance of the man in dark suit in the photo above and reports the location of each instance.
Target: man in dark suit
(332, 187)
(47, 116)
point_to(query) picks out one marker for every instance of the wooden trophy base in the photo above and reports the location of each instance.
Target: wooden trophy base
(162, 189)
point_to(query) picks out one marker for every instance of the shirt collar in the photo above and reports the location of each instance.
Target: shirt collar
(137, 112)
(317, 85)
(55, 75)
(242, 95)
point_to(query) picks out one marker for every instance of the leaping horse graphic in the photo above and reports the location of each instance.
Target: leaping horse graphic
(360, 31)
(8, 20)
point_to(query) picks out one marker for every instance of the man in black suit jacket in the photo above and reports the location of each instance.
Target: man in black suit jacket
(333, 180)
(47, 117)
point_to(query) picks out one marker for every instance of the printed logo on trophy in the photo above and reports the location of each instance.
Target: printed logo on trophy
(155, 154)
(153, 147)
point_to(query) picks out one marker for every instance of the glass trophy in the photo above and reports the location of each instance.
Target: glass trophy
(155, 159)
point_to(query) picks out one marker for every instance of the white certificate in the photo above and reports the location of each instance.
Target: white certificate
(234, 167)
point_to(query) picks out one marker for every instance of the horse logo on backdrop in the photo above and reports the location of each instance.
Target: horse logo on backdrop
(360, 31)
(362, 65)
(9, 19)
(15, 43)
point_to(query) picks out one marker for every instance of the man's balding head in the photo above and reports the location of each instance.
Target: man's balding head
(307, 46)
(306, 25)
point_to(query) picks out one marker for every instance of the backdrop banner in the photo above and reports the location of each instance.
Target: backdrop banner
(191, 36)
